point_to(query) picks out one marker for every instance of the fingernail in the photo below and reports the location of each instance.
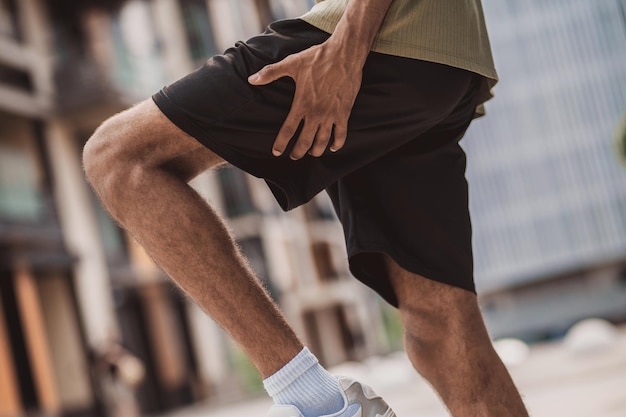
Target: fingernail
(333, 150)
(276, 152)
(253, 78)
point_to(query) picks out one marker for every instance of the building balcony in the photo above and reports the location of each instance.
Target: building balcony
(83, 87)
(24, 87)
(39, 246)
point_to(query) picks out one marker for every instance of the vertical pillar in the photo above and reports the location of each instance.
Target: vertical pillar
(138, 31)
(333, 350)
(99, 39)
(264, 10)
(144, 268)
(165, 336)
(10, 405)
(168, 22)
(209, 343)
(34, 24)
(80, 230)
(225, 26)
(36, 340)
(64, 340)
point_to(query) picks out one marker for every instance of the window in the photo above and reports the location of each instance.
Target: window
(16, 78)
(138, 66)
(320, 208)
(8, 19)
(198, 29)
(323, 261)
(236, 192)
(113, 238)
(284, 9)
(21, 171)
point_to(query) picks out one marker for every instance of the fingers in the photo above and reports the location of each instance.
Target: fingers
(321, 140)
(341, 133)
(269, 73)
(313, 138)
(305, 140)
(286, 132)
(324, 110)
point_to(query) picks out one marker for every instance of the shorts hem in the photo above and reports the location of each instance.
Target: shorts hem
(283, 191)
(382, 284)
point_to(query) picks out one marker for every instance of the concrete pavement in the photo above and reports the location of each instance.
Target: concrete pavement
(554, 382)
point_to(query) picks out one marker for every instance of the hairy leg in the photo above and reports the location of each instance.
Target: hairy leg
(447, 342)
(139, 164)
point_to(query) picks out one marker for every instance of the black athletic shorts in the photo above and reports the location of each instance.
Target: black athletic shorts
(398, 185)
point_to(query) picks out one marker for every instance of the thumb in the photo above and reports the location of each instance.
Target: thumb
(267, 74)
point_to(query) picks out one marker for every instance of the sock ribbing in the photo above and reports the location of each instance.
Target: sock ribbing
(302, 362)
(305, 384)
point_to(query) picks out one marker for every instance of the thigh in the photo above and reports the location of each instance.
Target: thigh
(411, 205)
(143, 135)
(399, 99)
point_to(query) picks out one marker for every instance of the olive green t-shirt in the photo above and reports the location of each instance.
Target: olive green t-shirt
(450, 32)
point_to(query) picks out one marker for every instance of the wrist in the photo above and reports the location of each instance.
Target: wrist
(348, 50)
(355, 33)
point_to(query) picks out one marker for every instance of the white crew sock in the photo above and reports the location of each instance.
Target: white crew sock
(305, 384)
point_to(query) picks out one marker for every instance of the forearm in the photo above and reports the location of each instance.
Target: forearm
(358, 27)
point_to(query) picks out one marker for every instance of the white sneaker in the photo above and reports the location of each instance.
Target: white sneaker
(359, 401)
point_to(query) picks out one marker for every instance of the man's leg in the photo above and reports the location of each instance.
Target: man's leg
(139, 164)
(446, 340)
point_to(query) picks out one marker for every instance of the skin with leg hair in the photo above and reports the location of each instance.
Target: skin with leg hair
(446, 340)
(139, 163)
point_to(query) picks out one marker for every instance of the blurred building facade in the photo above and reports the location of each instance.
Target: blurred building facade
(548, 195)
(71, 281)
(548, 198)
(43, 345)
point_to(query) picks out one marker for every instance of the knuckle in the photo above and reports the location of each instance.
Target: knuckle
(303, 144)
(287, 132)
(322, 141)
(340, 132)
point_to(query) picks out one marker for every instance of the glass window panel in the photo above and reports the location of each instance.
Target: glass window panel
(8, 21)
(198, 29)
(236, 192)
(541, 164)
(112, 237)
(21, 176)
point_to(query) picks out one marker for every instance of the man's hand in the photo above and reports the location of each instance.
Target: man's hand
(327, 83)
(328, 77)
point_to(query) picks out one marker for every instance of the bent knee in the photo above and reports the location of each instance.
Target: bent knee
(118, 148)
(100, 152)
(111, 142)
(140, 137)
(129, 137)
